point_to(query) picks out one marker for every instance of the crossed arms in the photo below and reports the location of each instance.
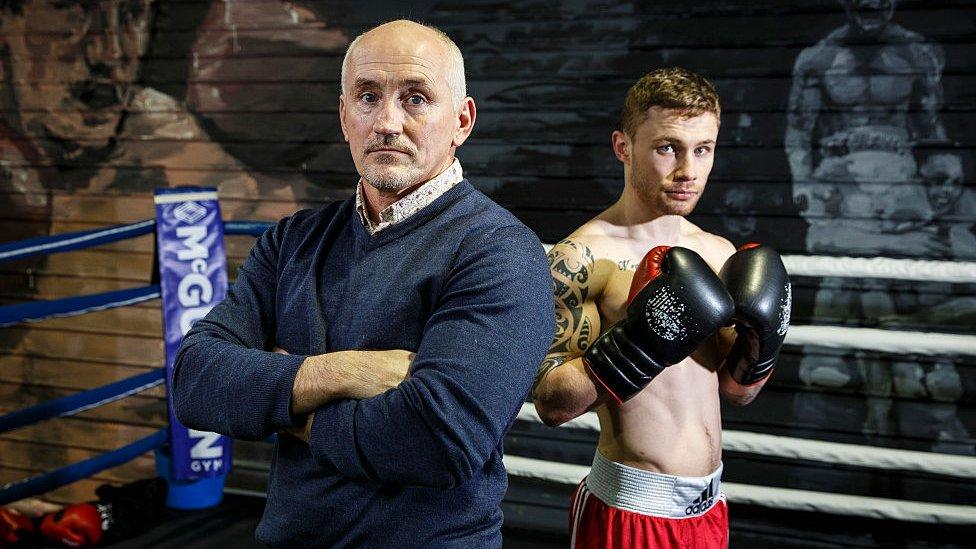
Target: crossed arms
(436, 427)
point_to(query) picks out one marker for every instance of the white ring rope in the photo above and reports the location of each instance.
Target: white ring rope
(812, 450)
(779, 498)
(881, 267)
(858, 455)
(172, 198)
(889, 341)
(876, 267)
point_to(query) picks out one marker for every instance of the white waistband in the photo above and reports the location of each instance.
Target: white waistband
(652, 493)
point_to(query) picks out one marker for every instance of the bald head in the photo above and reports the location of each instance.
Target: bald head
(403, 108)
(409, 38)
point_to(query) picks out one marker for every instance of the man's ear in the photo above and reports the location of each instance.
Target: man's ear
(621, 146)
(466, 116)
(342, 118)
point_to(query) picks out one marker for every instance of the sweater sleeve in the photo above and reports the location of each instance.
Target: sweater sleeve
(225, 378)
(477, 358)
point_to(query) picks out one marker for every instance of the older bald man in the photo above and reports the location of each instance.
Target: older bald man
(395, 334)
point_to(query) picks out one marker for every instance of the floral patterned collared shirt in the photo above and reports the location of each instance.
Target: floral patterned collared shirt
(410, 204)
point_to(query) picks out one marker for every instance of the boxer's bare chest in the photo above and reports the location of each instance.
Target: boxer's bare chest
(612, 302)
(617, 267)
(681, 405)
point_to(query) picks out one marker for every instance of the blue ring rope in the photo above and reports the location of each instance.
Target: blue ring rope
(252, 228)
(66, 242)
(76, 403)
(45, 482)
(70, 306)
(85, 400)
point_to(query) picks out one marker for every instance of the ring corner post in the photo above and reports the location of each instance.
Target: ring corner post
(192, 278)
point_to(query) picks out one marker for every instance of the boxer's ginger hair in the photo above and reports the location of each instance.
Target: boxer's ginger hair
(671, 88)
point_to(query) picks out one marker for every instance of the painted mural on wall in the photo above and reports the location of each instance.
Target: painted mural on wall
(72, 101)
(111, 98)
(873, 176)
(69, 76)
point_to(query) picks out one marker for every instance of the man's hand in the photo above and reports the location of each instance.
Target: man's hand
(370, 373)
(347, 374)
(302, 432)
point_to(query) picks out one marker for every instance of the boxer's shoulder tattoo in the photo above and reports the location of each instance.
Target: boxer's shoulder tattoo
(571, 264)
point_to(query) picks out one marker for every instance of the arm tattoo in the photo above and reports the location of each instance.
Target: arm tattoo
(571, 265)
(547, 365)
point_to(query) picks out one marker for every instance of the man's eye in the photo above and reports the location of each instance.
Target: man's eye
(664, 149)
(416, 100)
(701, 151)
(368, 97)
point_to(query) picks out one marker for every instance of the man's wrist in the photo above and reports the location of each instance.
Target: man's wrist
(354, 374)
(317, 383)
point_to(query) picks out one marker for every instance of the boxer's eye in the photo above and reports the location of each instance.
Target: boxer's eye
(416, 99)
(666, 148)
(368, 97)
(702, 151)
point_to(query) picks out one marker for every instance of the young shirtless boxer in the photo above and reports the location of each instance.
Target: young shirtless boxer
(664, 294)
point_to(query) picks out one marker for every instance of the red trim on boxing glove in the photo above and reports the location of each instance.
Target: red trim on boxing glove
(648, 270)
(593, 375)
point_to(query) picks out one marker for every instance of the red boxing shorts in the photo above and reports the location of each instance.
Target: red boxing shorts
(621, 507)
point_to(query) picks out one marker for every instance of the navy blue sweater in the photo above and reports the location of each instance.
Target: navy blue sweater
(461, 282)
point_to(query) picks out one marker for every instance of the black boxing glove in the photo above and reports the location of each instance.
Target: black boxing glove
(757, 281)
(676, 303)
(137, 506)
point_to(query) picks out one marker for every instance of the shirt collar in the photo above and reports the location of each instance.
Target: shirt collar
(410, 204)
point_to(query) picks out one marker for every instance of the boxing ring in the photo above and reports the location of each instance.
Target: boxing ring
(77, 403)
(961, 468)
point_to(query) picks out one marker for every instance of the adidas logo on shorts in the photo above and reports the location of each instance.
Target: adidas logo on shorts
(703, 502)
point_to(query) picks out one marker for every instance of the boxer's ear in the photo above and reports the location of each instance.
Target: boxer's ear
(621, 146)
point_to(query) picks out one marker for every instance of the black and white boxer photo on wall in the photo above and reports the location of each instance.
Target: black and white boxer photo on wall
(875, 174)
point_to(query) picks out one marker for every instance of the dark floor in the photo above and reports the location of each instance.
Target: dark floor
(231, 525)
